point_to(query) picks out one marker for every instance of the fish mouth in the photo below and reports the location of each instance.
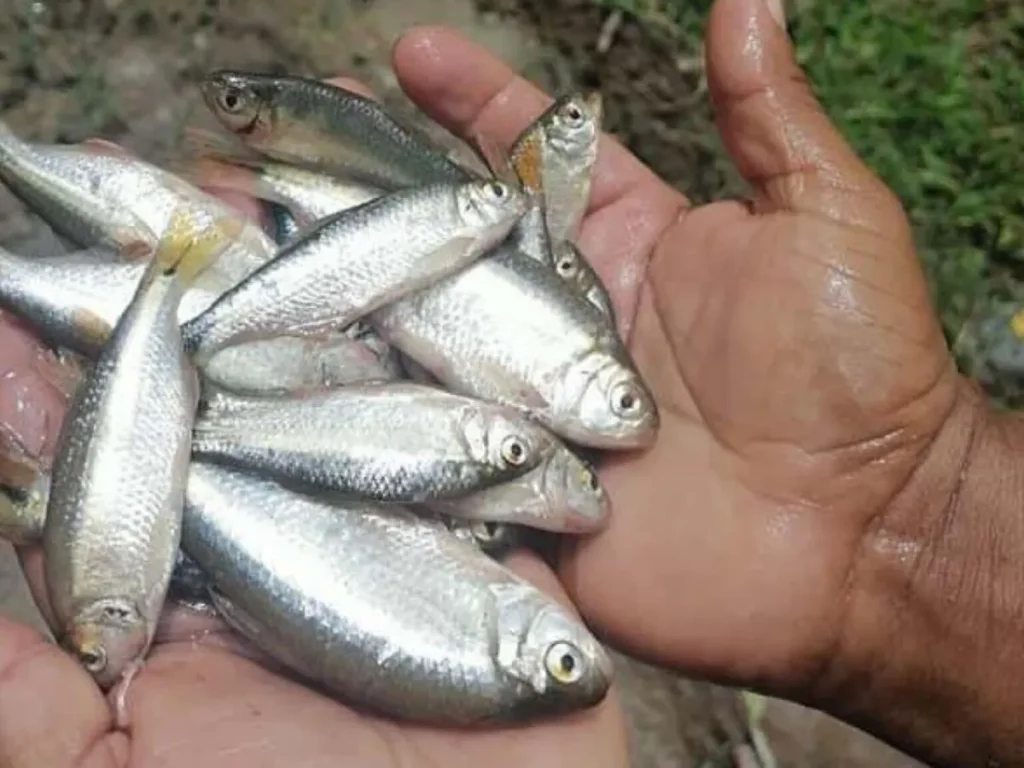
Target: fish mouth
(593, 105)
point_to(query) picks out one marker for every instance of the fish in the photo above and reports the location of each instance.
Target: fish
(357, 260)
(509, 330)
(75, 300)
(97, 194)
(218, 163)
(63, 193)
(386, 609)
(496, 540)
(294, 364)
(555, 155)
(322, 127)
(397, 442)
(573, 267)
(113, 517)
(562, 495)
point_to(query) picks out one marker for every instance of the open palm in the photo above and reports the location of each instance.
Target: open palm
(801, 375)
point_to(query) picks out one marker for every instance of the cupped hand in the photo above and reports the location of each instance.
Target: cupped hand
(791, 345)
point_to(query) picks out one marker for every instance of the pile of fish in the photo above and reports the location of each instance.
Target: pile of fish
(324, 429)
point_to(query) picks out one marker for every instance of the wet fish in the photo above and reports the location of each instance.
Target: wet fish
(386, 609)
(555, 156)
(496, 540)
(573, 267)
(56, 187)
(507, 329)
(359, 259)
(294, 364)
(75, 300)
(322, 127)
(308, 195)
(562, 495)
(97, 194)
(113, 516)
(392, 442)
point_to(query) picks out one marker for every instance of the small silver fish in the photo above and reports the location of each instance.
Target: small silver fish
(386, 609)
(509, 330)
(315, 125)
(391, 442)
(555, 156)
(360, 259)
(117, 487)
(75, 300)
(97, 194)
(562, 495)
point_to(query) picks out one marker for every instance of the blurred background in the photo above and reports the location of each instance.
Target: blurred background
(931, 95)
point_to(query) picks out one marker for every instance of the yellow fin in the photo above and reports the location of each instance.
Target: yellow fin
(187, 252)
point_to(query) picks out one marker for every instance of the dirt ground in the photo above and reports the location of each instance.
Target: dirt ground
(125, 70)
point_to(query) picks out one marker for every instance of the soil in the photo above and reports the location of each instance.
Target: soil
(126, 70)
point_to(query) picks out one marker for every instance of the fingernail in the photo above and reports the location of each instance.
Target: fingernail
(777, 11)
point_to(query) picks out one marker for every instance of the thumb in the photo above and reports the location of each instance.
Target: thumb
(782, 142)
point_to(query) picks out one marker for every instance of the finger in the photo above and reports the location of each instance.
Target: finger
(772, 125)
(471, 92)
(51, 713)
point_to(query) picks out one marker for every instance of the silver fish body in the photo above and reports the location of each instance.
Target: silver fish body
(75, 301)
(385, 609)
(390, 442)
(310, 196)
(557, 152)
(113, 519)
(358, 260)
(295, 364)
(508, 330)
(562, 495)
(56, 187)
(316, 125)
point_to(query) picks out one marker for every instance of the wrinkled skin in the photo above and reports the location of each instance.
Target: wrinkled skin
(801, 375)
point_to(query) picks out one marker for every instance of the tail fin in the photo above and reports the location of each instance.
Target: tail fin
(186, 252)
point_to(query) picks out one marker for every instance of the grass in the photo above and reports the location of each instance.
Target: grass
(932, 97)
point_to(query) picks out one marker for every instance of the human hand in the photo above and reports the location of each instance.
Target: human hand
(792, 347)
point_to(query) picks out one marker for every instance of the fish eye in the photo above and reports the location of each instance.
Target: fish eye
(625, 400)
(232, 99)
(514, 450)
(573, 114)
(564, 663)
(93, 659)
(497, 190)
(566, 266)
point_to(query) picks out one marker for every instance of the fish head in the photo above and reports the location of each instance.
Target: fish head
(243, 103)
(560, 663)
(107, 636)
(490, 205)
(573, 125)
(573, 493)
(602, 402)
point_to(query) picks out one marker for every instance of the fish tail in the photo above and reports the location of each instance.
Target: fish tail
(186, 252)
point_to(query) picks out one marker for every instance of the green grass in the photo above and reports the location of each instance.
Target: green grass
(932, 97)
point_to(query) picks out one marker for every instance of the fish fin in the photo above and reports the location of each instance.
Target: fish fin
(103, 147)
(527, 161)
(222, 176)
(200, 143)
(186, 253)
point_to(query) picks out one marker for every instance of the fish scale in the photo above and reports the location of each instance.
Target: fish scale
(377, 604)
